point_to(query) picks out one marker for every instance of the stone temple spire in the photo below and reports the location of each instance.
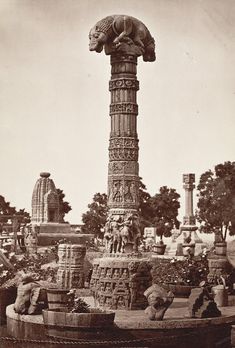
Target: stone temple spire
(45, 201)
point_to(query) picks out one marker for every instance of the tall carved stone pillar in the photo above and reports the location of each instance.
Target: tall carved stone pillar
(120, 278)
(189, 220)
(123, 172)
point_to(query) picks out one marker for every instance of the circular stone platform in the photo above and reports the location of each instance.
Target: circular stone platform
(133, 326)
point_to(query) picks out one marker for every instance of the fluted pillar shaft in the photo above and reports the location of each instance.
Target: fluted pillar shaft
(189, 180)
(123, 171)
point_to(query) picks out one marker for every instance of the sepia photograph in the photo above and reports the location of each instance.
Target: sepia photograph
(117, 181)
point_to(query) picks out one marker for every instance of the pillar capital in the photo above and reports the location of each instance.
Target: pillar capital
(188, 179)
(122, 35)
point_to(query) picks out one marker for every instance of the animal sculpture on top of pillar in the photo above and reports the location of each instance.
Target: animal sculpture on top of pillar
(124, 38)
(120, 278)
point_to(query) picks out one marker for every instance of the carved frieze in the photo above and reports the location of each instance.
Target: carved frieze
(123, 83)
(116, 284)
(123, 190)
(125, 149)
(123, 167)
(123, 108)
(119, 142)
(123, 154)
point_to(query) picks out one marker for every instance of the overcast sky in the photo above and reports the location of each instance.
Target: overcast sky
(54, 98)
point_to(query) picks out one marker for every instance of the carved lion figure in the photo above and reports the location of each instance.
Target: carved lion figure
(121, 29)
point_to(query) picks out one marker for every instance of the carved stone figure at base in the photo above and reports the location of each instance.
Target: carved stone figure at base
(159, 300)
(28, 293)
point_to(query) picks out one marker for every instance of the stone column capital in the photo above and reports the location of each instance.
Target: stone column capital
(189, 178)
(122, 34)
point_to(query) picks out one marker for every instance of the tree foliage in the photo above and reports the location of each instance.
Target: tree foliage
(94, 219)
(7, 212)
(159, 211)
(216, 203)
(145, 207)
(165, 205)
(64, 207)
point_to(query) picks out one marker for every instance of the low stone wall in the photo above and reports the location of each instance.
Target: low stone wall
(45, 239)
(134, 329)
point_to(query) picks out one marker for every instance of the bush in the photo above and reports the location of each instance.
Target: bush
(27, 264)
(180, 272)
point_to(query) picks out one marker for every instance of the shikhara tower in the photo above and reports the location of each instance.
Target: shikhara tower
(125, 39)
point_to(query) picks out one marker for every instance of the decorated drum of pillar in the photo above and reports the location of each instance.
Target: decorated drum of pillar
(120, 282)
(71, 265)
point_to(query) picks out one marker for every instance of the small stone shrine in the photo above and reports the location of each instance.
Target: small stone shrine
(120, 278)
(45, 201)
(45, 207)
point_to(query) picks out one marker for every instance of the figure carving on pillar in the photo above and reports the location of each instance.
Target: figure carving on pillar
(112, 234)
(119, 232)
(117, 191)
(128, 195)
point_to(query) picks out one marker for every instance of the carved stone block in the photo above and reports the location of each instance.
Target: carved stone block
(120, 282)
(202, 304)
(70, 273)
